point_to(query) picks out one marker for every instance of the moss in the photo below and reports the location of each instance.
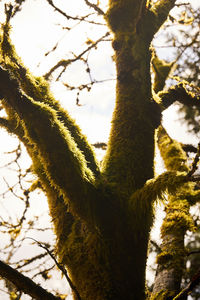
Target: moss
(192, 196)
(6, 47)
(86, 249)
(163, 295)
(38, 89)
(56, 148)
(141, 202)
(161, 10)
(127, 11)
(178, 218)
(130, 128)
(156, 188)
(173, 155)
(133, 126)
(178, 208)
(162, 70)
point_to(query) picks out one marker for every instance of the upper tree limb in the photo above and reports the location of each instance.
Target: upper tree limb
(153, 16)
(124, 15)
(63, 162)
(182, 92)
(161, 11)
(38, 89)
(131, 142)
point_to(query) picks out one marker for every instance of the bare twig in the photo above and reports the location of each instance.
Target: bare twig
(189, 148)
(65, 63)
(8, 12)
(22, 263)
(61, 268)
(83, 18)
(100, 145)
(193, 252)
(95, 7)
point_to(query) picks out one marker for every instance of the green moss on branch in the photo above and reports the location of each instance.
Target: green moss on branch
(38, 89)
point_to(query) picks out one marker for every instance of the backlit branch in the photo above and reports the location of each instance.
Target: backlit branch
(95, 7)
(83, 18)
(36, 87)
(62, 269)
(161, 11)
(25, 284)
(183, 93)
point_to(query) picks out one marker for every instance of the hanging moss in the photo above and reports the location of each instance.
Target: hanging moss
(38, 89)
(173, 155)
(156, 188)
(162, 70)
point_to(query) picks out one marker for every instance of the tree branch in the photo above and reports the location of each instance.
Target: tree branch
(83, 18)
(128, 12)
(183, 93)
(161, 11)
(25, 284)
(189, 148)
(95, 7)
(65, 63)
(38, 89)
(176, 222)
(62, 269)
(64, 164)
(5, 124)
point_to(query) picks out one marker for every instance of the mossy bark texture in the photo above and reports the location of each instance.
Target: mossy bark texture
(102, 218)
(171, 259)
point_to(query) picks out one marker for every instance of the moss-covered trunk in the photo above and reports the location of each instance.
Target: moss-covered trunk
(171, 259)
(101, 218)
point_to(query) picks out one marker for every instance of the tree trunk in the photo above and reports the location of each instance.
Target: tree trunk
(101, 220)
(171, 260)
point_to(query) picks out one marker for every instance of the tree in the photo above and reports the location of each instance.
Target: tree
(102, 216)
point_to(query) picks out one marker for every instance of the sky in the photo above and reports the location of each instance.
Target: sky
(97, 105)
(35, 31)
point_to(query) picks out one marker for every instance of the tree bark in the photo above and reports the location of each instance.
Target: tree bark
(25, 284)
(171, 259)
(98, 215)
